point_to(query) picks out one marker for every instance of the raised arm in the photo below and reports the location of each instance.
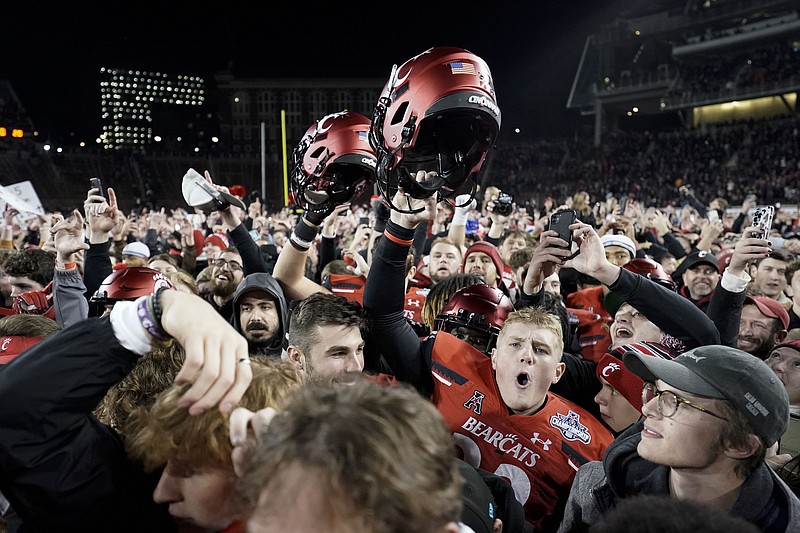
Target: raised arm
(668, 310)
(384, 293)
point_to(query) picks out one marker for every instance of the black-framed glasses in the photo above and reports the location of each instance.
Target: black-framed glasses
(233, 266)
(668, 401)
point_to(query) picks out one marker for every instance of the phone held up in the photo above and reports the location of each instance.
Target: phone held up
(560, 221)
(762, 219)
(95, 183)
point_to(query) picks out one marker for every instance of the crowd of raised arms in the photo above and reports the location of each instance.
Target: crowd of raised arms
(443, 355)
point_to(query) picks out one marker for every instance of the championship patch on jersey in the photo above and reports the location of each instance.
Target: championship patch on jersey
(570, 427)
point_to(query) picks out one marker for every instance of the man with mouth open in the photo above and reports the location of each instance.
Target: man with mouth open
(499, 408)
(709, 416)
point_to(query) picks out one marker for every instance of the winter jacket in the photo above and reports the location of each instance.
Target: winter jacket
(764, 500)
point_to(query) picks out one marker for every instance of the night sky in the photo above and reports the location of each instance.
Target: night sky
(53, 54)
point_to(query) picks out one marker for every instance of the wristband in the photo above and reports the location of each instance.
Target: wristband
(153, 328)
(158, 310)
(302, 236)
(459, 217)
(397, 240)
(66, 266)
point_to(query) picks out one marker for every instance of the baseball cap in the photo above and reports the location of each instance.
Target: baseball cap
(479, 509)
(13, 345)
(769, 307)
(794, 345)
(136, 249)
(724, 373)
(623, 241)
(628, 384)
(197, 192)
(700, 257)
(724, 259)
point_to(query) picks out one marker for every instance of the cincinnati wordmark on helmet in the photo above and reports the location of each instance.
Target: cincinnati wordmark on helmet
(438, 112)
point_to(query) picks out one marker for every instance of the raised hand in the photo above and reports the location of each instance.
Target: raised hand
(407, 202)
(101, 214)
(217, 359)
(67, 236)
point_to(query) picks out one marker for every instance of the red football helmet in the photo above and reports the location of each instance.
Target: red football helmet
(652, 270)
(438, 111)
(128, 284)
(333, 162)
(477, 312)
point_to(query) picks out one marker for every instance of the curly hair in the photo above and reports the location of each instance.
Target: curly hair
(154, 372)
(33, 263)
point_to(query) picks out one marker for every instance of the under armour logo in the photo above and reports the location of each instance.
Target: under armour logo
(545, 443)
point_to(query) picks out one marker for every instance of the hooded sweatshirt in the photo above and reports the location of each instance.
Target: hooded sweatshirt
(265, 282)
(764, 500)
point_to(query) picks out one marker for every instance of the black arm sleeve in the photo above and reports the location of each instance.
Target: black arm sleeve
(738, 223)
(384, 296)
(668, 310)
(252, 261)
(420, 236)
(674, 246)
(327, 253)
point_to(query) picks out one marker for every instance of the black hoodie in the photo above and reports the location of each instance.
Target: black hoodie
(265, 282)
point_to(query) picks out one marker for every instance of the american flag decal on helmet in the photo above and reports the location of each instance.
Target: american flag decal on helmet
(460, 67)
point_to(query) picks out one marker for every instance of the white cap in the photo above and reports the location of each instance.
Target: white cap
(618, 240)
(137, 249)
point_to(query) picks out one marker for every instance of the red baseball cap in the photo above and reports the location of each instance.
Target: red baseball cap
(769, 307)
(13, 345)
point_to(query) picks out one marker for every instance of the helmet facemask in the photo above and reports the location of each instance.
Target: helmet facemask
(475, 314)
(333, 163)
(437, 113)
(471, 328)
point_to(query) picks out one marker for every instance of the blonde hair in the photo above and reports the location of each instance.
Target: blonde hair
(166, 432)
(537, 318)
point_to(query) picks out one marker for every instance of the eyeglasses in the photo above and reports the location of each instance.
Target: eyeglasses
(668, 401)
(232, 265)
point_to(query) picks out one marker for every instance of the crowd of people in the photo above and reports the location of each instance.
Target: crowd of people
(438, 358)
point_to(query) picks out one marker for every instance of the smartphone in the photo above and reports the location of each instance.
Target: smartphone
(560, 222)
(363, 221)
(95, 183)
(712, 215)
(762, 219)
